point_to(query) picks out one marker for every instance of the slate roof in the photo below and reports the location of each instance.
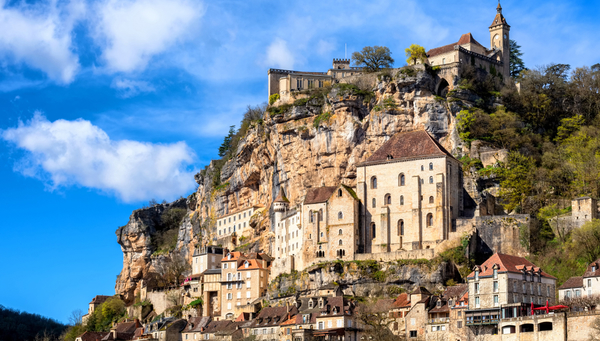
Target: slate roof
(507, 263)
(92, 336)
(573, 282)
(273, 316)
(589, 272)
(318, 195)
(281, 196)
(408, 145)
(127, 327)
(215, 326)
(99, 299)
(420, 290)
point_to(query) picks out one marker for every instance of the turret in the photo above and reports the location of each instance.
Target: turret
(499, 39)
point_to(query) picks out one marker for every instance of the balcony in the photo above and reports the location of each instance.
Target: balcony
(481, 322)
(439, 320)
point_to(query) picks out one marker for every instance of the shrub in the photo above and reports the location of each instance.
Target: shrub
(282, 109)
(321, 118)
(273, 98)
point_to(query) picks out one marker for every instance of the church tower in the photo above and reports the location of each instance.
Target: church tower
(499, 39)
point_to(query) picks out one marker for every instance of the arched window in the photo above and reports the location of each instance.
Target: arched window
(429, 220)
(422, 168)
(431, 179)
(340, 242)
(374, 203)
(310, 216)
(321, 215)
(339, 192)
(431, 166)
(388, 199)
(340, 232)
(373, 182)
(401, 180)
(402, 200)
(373, 234)
(229, 277)
(340, 215)
(400, 227)
(431, 200)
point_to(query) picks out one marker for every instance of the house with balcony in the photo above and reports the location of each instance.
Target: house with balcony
(447, 316)
(505, 286)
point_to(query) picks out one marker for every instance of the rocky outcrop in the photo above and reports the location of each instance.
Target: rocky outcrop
(316, 142)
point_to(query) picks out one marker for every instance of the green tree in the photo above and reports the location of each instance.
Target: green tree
(224, 148)
(415, 53)
(550, 214)
(587, 239)
(568, 126)
(516, 63)
(373, 58)
(517, 180)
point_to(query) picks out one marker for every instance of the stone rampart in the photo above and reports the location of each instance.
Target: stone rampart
(395, 255)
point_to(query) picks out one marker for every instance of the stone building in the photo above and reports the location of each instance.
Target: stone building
(284, 82)
(288, 236)
(236, 222)
(208, 257)
(583, 209)
(587, 285)
(571, 289)
(506, 286)
(447, 315)
(267, 325)
(451, 58)
(330, 223)
(416, 318)
(95, 303)
(411, 193)
(244, 279)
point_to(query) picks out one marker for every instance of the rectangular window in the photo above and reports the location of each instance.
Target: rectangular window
(495, 286)
(495, 273)
(495, 300)
(539, 289)
(247, 294)
(548, 290)
(589, 282)
(524, 287)
(224, 265)
(459, 324)
(477, 288)
(239, 295)
(413, 333)
(515, 286)
(476, 302)
(299, 84)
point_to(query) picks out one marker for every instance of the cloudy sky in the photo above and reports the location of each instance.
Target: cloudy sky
(105, 105)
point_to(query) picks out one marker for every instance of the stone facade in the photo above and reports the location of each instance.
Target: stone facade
(236, 222)
(206, 258)
(411, 194)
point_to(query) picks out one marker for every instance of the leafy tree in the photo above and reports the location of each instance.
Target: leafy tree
(550, 214)
(568, 126)
(104, 315)
(587, 239)
(516, 63)
(224, 148)
(517, 180)
(415, 53)
(373, 58)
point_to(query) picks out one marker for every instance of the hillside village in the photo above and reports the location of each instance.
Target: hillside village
(314, 232)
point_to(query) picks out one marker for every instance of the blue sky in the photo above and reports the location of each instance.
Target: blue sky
(105, 105)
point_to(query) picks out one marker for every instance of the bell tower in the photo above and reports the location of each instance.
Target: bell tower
(500, 39)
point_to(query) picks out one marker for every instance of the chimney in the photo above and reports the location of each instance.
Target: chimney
(137, 323)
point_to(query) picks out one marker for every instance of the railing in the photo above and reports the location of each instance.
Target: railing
(482, 322)
(439, 320)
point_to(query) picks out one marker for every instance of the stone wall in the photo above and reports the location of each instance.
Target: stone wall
(501, 234)
(160, 299)
(579, 325)
(395, 255)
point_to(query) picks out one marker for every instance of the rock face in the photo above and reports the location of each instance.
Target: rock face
(135, 239)
(315, 143)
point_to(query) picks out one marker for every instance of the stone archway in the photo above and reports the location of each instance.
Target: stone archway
(442, 88)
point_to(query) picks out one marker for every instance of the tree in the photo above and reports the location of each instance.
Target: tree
(516, 63)
(551, 215)
(517, 180)
(75, 318)
(375, 316)
(595, 330)
(373, 58)
(224, 148)
(587, 238)
(171, 268)
(416, 53)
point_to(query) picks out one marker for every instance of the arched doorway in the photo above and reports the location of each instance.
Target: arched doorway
(442, 89)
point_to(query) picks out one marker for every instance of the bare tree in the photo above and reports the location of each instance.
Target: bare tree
(375, 316)
(171, 268)
(75, 318)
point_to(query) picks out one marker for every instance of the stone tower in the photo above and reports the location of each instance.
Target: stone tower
(500, 39)
(280, 206)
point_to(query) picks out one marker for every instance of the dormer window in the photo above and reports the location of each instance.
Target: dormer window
(439, 303)
(321, 303)
(476, 275)
(246, 264)
(593, 268)
(228, 256)
(310, 304)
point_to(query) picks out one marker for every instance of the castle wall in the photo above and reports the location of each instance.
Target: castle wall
(501, 233)
(580, 324)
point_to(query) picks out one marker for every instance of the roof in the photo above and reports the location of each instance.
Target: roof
(195, 324)
(215, 326)
(420, 291)
(212, 271)
(273, 316)
(408, 145)
(92, 336)
(318, 195)
(127, 327)
(281, 196)
(595, 272)
(252, 265)
(235, 255)
(499, 18)
(402, 301)
(99, 299)
(573, 282)
(507, 263)
(466, 38)
(455, 291)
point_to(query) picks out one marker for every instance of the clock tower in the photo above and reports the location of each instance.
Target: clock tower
(499, 39)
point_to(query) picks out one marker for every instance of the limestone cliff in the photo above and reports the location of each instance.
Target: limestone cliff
(315, 142)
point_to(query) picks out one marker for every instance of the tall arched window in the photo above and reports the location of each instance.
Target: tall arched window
(401, 180)
(373, 228)
(373, 182)
(402, 200)
(321, 215)
(429, 220)
(431, 179)
(310, 216)
(340, 232)
(229, 277)
(374, 203)
(431, 166)
(388, 199)
(340, 215)
(422, 168)
(339, 192)
(340, 242)
(400, 227)
(431, 200)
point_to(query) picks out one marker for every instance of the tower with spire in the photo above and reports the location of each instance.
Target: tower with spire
(500, 39)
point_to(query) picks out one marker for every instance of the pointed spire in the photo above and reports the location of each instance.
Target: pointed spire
(499, 8)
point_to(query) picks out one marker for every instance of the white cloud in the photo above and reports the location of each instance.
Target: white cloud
(66, 153)
(132, 31)
(129, 88)
(40, 37)
(279, 56)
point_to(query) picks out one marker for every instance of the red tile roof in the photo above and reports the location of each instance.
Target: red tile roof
(235, 255)
(92, 336)
(456, 291)
(407, 145)
(596, 272)
(253, 264)
(507, 263)
(402, 301)
(318, 195)
(281, 197)
(466, 38)
(573, 282)
(99, 299)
